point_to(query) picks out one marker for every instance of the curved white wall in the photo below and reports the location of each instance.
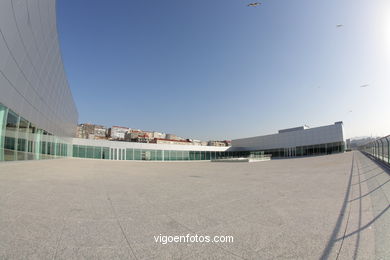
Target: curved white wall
(313, 136)
(32, 78)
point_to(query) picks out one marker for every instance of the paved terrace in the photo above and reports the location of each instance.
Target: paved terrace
(307, 208)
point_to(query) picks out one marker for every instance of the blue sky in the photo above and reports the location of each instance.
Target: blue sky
(220, 70)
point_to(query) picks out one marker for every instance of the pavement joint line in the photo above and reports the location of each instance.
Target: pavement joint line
(58, 242)
(327, 250)
(355, 253)
(118, 222)
(350, 209)
(121, 228)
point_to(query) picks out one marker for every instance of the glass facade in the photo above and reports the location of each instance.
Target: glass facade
(309, 150)
(130, 154)
(22, 140)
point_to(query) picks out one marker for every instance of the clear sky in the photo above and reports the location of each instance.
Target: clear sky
(217, 69)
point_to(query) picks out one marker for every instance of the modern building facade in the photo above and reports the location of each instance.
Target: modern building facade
(37, 112)
(38, 117)
(297, 141)
(114, 150)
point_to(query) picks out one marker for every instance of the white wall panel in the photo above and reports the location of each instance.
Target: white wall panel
(122, 145)
(318, 135)
(32, 77)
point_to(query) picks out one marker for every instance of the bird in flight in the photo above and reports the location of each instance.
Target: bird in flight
(339, 25)
(364, 86)
(254, 4)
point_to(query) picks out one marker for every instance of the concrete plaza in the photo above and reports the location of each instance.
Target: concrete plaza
(305, 208)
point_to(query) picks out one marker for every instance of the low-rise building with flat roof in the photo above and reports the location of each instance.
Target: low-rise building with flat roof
(297, 141)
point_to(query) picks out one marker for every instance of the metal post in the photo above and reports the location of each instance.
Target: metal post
(377, 149)
(383, 151)
(388, 149)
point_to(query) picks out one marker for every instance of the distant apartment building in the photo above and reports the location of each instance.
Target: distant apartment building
(219, 143)
(197, 142)
(170, 141)
(158, 135)
(91, 131)
(139, 136)
(173, 137)
(118, 132)
(142, 138)
(80, 132)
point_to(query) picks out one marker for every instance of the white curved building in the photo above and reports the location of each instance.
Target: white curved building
(297, 141)
(37, 111)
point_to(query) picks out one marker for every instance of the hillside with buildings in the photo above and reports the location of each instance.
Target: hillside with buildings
(126, 134)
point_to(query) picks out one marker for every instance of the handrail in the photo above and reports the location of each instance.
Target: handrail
(379, 148)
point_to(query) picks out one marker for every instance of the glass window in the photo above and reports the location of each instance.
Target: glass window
(9, 143)
(137, 154)
(89, 153)
(115, 153)
(179, 155)
(30, 146)
(192, 155)
(172, 155)
(166, 155)
(22, 144)
(97, 153)
(197, 155)
(49, 148)
(23, 125)
(43, 147)
(159, 155)
(129, 154)
(186, 155)
(11, 136)
(106, 153)
(75, 150)
(3, 117)
(82, 151)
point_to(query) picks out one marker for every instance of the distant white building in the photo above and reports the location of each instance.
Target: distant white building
(173, 137)
(118, 132)
(158, 135)
(297, 141)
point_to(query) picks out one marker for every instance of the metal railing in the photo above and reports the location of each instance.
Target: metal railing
(380, 149)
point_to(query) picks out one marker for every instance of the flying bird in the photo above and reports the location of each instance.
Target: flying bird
(254, 4)
(339, 25)
(364, 86)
